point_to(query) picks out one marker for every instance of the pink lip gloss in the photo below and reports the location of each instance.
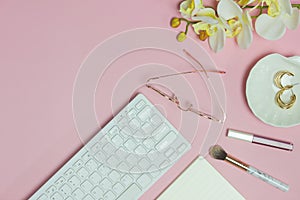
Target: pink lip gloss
(260, 140)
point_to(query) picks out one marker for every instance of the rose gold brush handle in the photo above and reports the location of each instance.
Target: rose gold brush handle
(236, 162)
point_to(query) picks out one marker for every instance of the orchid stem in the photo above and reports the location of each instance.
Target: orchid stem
(265, 7)
(187, 27)
(296, 6)
(188, 22)
(183, 19)
(260, 7)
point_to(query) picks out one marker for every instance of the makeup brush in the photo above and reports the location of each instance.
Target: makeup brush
(218, 152)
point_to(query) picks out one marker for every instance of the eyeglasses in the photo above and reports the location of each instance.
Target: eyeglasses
(174, 99)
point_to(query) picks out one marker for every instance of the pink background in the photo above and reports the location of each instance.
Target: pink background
(43, 44)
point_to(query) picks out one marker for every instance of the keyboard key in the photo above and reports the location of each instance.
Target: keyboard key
(123, 167)
(88, 197)
(121, 153)
(69, 173)
(65, 190)
(114, 176)
(105, 184)
(104, 170)
(60, 182)
(131, 113)
(144, 180)
(97, 192)
(91, 165)
(109, 148)
(152, 155)
(138, 140)
(114, 130)
(166, 141)
(87, 156)
(144, 114)
(149, 143)
(140, 104)
(144, 163)
(131, 159)
(164, 164)
(43, 197)
(131, 193)
(134, 124)
(155, 120)
(109, 195)
(74, 181)
(147, 128)
(122, 122)
(86, 186)
(51, 190)
(127, 180)
(96, 147)
(134, 170)
(95, 178)
(56, 196)
(82, 173)
(100, 156)
(117, 140)
(140, 150)
(182, 147)
(118, 188)
(130, 144)
(126, 131)
(173, 156)
(160, 132)
(78, 194)
(113, 161)
(78, 164)
(154, 171)
(169, 152)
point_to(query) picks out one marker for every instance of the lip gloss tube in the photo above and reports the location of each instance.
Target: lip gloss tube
(256, 139)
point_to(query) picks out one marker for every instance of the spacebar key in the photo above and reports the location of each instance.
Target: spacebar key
(131, 193)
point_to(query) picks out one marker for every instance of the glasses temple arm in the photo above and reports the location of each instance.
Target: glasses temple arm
(202, 114)
(195, 60)
(187, 72)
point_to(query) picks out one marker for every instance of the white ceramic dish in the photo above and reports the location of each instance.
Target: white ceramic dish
(261, 90)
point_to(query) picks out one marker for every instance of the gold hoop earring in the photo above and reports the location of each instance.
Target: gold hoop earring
(278, 76)
(282, 104)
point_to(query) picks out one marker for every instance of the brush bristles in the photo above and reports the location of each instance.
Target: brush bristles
(217, 152)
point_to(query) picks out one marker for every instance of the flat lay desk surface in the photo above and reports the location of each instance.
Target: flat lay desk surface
(43, 44)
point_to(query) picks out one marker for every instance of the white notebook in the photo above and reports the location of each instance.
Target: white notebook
(201, 181)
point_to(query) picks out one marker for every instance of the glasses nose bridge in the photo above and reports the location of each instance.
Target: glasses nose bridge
(184, 109)
(172, 98)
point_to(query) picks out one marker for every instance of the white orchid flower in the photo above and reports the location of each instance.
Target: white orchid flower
(272, 26)
(189, 7)
(239, 22)
(211, 26)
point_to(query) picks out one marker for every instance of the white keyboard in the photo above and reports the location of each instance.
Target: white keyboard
(121, 161)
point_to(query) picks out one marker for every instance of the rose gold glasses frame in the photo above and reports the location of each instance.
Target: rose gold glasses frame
(173, 98)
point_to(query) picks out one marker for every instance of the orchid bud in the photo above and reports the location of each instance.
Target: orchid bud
(181, 37)
(175, 22)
